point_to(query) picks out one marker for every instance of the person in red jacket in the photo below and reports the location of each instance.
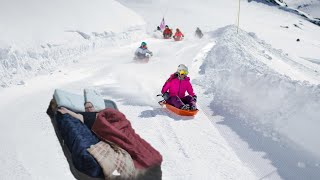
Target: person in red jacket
(175, 88)
(167, 32)
(178, 35)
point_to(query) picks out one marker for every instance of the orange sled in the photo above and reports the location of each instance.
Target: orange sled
(178, 38)
(180, 111)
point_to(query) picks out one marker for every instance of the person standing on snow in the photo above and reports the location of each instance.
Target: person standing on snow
(177, 85)
(143, 52)
(167, 32)
(198, 33)
(178, 35)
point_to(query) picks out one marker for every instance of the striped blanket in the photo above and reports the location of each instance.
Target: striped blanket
(113, 160)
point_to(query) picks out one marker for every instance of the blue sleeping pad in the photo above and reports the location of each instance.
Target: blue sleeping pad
(78, 137)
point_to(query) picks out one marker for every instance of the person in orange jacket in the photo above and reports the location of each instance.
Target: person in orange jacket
(167, 32)
(178, 35)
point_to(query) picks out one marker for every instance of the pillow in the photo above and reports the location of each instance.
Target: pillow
(71, 101)
(95, 98)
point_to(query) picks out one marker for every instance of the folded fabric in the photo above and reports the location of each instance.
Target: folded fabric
(112, 158)
(95, 98)
(71, 101)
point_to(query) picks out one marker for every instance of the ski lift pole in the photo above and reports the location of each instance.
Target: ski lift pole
(165, 12)
(238, 17)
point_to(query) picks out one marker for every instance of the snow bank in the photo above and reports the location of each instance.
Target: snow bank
(241, 72)
(38, 36)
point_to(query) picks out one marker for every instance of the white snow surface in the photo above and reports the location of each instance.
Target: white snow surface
(258, 87)
(37, 36)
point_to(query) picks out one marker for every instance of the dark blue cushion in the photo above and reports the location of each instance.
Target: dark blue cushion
(77, 137)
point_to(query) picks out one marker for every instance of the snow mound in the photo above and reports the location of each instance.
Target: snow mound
(241, 72)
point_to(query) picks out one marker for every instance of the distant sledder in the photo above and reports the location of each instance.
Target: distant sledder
(198, 33)
(167, 32)
(178, 36)
(173, 93)
(143, 54)
(157, 33)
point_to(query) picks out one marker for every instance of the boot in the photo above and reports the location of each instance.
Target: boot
(193, 108)
(185, 107)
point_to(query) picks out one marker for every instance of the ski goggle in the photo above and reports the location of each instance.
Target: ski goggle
(183, 72)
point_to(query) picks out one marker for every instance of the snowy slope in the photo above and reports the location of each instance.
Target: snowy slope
(308, 9)
(309, 6)
(258, 92)
(38, 36)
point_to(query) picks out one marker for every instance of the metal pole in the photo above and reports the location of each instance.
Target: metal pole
(238, 17)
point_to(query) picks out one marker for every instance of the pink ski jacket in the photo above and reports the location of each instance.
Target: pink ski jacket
(178, 87)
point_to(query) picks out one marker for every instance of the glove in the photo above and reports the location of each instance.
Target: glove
(195, 98)
(165, 96)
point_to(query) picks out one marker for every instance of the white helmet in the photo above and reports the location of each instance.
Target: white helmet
(182, 69)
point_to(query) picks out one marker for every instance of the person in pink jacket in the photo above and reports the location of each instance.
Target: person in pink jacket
(175, 88)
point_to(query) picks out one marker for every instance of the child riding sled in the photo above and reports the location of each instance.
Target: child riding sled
(176, 86)
(143, 53)
(178, 36)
